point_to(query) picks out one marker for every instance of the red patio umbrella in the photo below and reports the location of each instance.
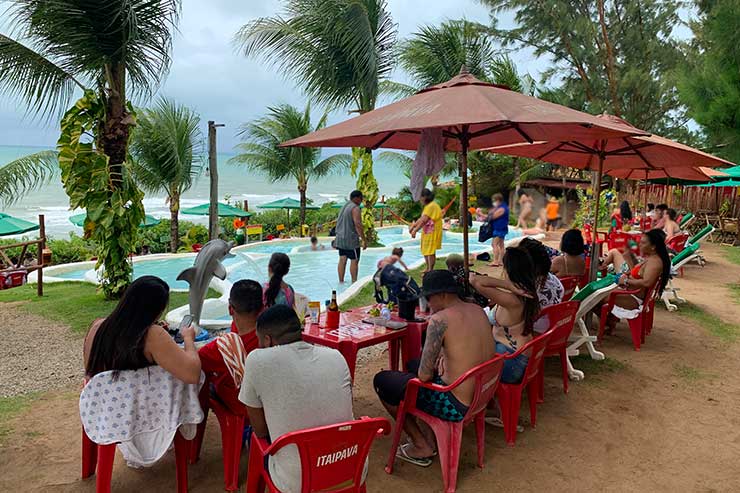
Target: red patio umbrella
(472, 115)
(629, 156)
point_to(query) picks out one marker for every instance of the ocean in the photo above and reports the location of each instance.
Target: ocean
(235, 182)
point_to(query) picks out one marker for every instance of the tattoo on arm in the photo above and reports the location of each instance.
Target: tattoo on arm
(432, 348)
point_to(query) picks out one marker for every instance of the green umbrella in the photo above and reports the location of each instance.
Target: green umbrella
(10, 225)
(723, 183)
(79, 220)
(732, 173)
(378, 205)
(286, 203)
(224, 210)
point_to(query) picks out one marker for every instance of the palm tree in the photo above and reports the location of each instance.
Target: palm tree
(338, 51)
(25, 174)
(168, 155)
(261, 149)
(108, 49)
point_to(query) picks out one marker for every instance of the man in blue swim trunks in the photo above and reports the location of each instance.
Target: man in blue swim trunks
(458, 338)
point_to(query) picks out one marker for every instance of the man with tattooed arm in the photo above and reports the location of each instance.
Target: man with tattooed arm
(458, 338)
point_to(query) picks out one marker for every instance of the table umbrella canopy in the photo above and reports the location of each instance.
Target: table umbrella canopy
(468, 111)
(378, 205)
(733, 173)
(10, 225)
(690, 174)
(723, 183)
(224, 210)
(471, 114)
(79, 220)
(286, 203)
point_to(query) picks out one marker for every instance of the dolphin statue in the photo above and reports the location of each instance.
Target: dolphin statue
(207, 265)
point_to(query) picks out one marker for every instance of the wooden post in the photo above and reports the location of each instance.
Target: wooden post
(42, 245)
(465, 143)
(213, 173)
(565, 200)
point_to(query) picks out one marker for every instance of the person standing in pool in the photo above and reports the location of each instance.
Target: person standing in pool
(350, 236)
(430, 225)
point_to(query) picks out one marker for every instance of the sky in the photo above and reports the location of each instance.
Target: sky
(209, 76)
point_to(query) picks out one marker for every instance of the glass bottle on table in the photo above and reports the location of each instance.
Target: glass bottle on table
(332, 312)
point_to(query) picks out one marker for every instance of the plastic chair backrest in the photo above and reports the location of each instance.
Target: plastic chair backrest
(333, 457)
(678, 242)
(570, 283)
(486, 379)
(587, 234)
(536, 350)
(705, 231)
(562, 317)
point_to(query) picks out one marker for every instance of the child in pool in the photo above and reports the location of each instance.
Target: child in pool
(391, 259)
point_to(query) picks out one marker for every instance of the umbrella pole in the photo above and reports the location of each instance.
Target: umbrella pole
(464, 205)
(594, 238)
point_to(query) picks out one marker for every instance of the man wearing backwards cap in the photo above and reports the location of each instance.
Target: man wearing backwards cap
(458, 338)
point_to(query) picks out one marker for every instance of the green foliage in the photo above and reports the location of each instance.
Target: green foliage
(157, 238)
(11, 407)
(73, 249)
(621, 62)
(732, 254)
(261, 149)
(709, 84)
(195, 234)
(167, 150)
(362, 167)
(113, 202)
(27, 173)
(75, 304)
(585, 212)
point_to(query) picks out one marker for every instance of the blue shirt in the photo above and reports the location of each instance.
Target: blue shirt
(501, 223)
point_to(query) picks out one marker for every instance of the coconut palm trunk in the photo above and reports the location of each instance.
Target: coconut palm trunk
(302, 215)
(174, 222)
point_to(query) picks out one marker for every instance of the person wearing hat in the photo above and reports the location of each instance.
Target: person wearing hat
(458, 338)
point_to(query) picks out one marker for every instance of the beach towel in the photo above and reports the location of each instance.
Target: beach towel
(429, 161)
(141, 410)
(231, 348)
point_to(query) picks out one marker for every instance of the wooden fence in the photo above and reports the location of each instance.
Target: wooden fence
(24, 246)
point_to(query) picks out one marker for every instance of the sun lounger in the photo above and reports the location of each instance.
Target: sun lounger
(689, 254)
(590, 296)
(686, 221)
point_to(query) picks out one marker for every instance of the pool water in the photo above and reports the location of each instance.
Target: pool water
(313, 274)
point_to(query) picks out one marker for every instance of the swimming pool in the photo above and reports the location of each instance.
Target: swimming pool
(312, 273)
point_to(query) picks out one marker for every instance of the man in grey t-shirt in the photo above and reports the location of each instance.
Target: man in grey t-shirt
(350, 236)
(291, 385)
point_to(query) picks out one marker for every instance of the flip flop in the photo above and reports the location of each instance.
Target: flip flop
(403, 454)
(494, 421)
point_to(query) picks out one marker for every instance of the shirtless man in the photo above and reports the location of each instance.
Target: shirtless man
(661, 216)
(671, 227)
(458, 339)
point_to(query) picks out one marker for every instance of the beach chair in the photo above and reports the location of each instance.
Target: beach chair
(562, 318)
(678, 242)
(686, 221)
(485, 378)
(332, 457)
(589, 297)
(570, 284)
(641, 325)
(105, 402)
(689, 254)
(509, 395)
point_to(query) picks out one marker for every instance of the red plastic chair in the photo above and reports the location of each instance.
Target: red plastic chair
(510, 395)
(570, 283)
(601, 237)
(485, 378)
(101, 457)
(331, 456)
(232, 432)
(677, 242)
(639, 326)
(562, 318)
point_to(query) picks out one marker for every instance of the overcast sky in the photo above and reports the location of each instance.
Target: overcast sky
(220, 85)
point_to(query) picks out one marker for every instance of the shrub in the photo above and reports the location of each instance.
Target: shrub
(75, 249)
(157, 238)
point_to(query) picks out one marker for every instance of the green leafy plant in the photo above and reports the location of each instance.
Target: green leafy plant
(585, 212)
(196, 234)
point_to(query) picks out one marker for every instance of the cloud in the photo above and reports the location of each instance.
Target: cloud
(208, 75)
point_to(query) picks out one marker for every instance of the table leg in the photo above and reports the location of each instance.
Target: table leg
(349, 351)
(393, 350)
(411, 346)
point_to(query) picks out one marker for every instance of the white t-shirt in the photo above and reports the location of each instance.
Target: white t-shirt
(299, 386)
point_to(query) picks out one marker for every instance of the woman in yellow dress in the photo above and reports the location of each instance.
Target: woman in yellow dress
(430, 225)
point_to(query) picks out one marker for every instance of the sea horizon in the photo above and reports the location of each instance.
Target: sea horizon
(236, 182)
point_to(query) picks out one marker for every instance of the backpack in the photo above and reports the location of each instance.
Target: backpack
(400, 286)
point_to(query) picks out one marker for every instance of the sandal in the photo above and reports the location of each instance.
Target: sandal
(403, 454)
(496, 421)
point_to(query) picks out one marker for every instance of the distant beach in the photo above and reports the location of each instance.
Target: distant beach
(237, 182)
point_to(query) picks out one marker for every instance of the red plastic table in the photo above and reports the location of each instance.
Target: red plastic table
(353, 334)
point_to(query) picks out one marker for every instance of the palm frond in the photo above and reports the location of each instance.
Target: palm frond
(396, 90)
(40, 83)
(167, 148)
(24, 174)
(336, 50)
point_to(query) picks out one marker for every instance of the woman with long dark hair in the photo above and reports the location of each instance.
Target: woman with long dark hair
(625, 212)
(277, 291)
(130, 339)
(517, 307)
(641, 274)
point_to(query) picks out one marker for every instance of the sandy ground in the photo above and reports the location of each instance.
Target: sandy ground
(662, 419)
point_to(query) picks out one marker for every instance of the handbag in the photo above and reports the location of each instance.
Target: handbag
(485, 232)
